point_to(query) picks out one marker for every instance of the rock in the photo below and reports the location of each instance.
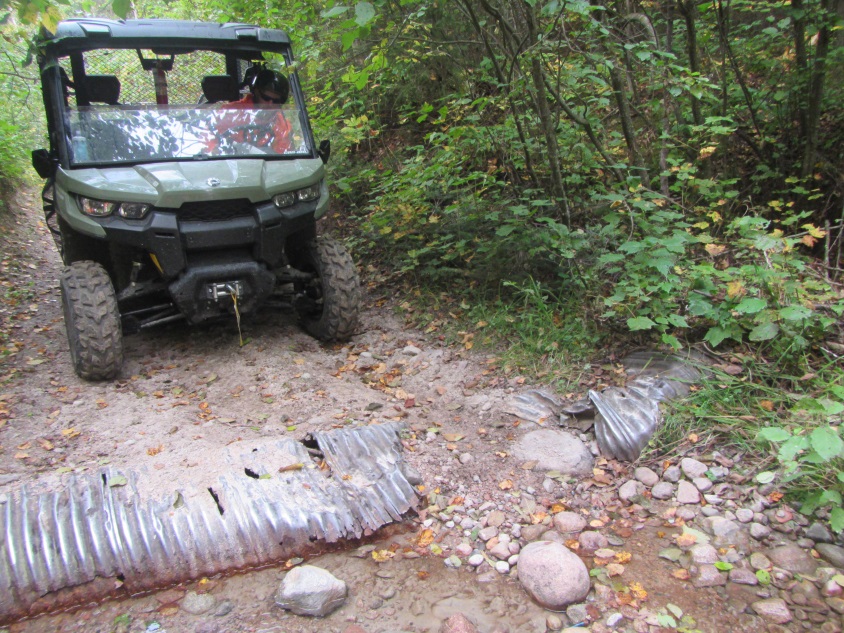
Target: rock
(702, 483)
(744, 515)
(197, 603)
(466, 458)
(501, 551)
(458, 623)
(671, 553)
(759, 531)
(553, 575)
(533, 532)
(464, 550)
(818, 533)
(553, 622)
(591, 541)
(569, 522)
(704, 554)
(692, 468)
(555, 450)
(453, 562)
(577, 613)
(490, 532)
(502, 566)
(759, 561)
(630, 489)
(476, 560)
(709, 576)
(687, 514)
(832, 554)
(496, 518)
(663, 490)
(672, 474)
(743, 576)
(724, 531)
(686, 493)
(614, 620)
(646, 476)
(791, 558)
(773, 610)
(836, 604)
(309, 590)
(224, 608)
(411, 350)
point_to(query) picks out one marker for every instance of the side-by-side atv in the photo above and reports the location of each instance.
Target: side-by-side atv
(171, 194)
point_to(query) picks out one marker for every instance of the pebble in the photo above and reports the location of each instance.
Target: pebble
(646, 476)
(488, 533)
(818, 533)
(502, 567)
(744, 515)
(742, 576)
(704, 554)
(663, 490)
(553, 622)
(614, 620)
(592, 541)
(702, 483)
(832, 554)
(577, 613)
(709, 576)
(476, 560)
(496, 518)
(687, 514)
(411, 350)
(464, 550)
(466, 458)
(687, 493)
(672, 474)
(791, 558)
(197, 603)
(630, 489)
(759, 531)
(569, 522)
(773, 609)
(453, 562)
(692, 468)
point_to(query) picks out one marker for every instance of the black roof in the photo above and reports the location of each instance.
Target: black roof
(82, 34)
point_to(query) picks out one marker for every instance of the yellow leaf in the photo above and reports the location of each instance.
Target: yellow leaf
(808, 240)
(382, 556)
(715, 249)
(623, 557)
(706, 152)
(557, 508)
(767, 405)
(506, 484)
(638, 591)
(735, 289)
(453, 437)
(681, 574)
(814, 231)
(426, 537)
(701, 225)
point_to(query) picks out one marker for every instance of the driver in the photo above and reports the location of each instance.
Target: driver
(260, 120)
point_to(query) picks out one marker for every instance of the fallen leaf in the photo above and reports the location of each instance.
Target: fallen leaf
(25, 446)
(21, 455)
(155, 450)
(557, 508)
(693, 438)
(117, 480)
(537, 518)
(623, 557)
(638, 591)
(529, 465)
(291, 467)
(47, 445)
(614, 569)
(681, 574)
(507, 484)
(686, 540)
(382, 555)
(452, 437)
(767, 405)
(426, 537)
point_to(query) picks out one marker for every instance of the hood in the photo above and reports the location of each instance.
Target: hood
(171, 184)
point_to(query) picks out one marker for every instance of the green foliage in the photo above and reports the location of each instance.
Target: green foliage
(811, 455)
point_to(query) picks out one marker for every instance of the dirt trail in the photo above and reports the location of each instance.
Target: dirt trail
(186, 393)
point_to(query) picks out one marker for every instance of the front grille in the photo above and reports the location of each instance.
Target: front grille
(215, 210)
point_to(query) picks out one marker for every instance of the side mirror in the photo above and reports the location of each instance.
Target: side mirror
(324, 150)
(42, 163)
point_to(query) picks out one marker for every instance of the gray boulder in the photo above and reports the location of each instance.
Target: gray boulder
(309, 590)
(553, 575)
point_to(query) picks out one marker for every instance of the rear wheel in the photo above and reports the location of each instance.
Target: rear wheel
(92, 321)
(329, 303)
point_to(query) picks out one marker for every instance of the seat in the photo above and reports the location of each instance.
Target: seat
(220, 88)
(102, 89)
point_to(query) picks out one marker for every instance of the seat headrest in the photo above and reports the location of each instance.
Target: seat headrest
(220, 88)
(102, 89)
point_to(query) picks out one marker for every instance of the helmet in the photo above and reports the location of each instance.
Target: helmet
(266, 79)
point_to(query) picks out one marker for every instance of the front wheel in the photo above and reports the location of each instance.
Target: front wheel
(92, 321)
(328, 305)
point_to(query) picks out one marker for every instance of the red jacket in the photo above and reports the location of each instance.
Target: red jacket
(261, 126)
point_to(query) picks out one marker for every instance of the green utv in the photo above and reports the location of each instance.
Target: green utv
(172, 193)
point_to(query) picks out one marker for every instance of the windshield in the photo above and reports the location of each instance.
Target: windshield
(119, 134)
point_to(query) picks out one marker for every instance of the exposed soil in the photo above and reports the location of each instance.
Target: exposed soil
(186, 393)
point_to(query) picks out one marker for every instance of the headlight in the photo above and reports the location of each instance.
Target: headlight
(103, 208)
(285, 199)
(133, 210)
(96, 208)
(308, 194)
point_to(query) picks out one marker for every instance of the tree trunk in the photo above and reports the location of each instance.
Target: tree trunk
(816, 86)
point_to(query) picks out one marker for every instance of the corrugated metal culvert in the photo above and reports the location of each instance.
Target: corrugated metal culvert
(270, 500)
